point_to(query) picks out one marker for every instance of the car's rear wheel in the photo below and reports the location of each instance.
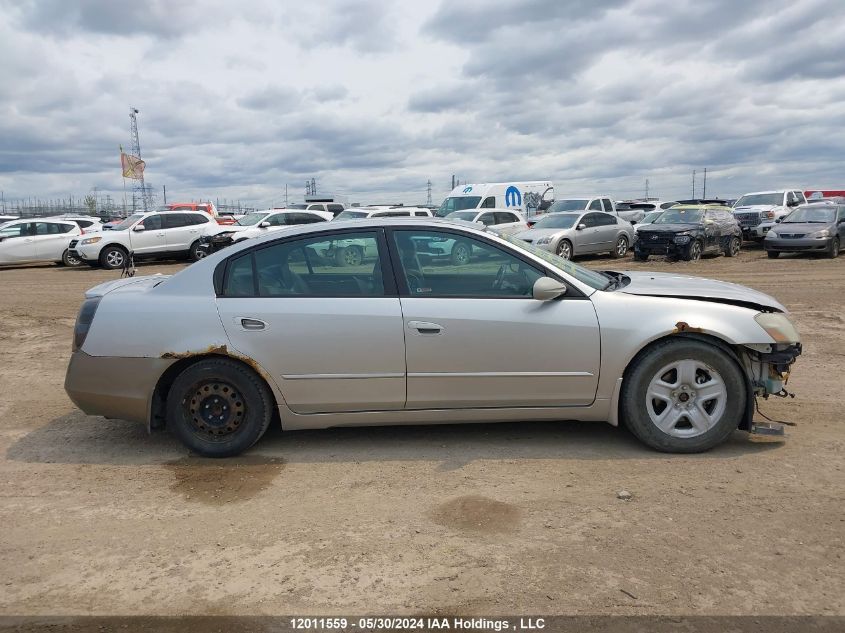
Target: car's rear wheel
(620, 249)
(564, 249)
(70, 260)
(693, 253)
(461, 254)
(683, 396)
(113, 257)
(218, 407)
(773, 254)
(732, 249)
(833, 251)
(198, 251)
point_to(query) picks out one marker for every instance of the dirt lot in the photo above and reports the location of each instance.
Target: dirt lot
(100, 518)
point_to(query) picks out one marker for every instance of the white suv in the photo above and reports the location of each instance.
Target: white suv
(37, 240)
(158, 234)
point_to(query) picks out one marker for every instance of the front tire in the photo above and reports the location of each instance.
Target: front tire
(683, 396)
(198, 251)
(461, 254)
(219, 408)
(773, 254)
(564, 249)
(833, 251)
(693, 253)
(113, 257)
(620, 249)
(349, 256)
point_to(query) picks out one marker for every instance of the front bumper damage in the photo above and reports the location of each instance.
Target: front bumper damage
(214, 243)
(768, 368)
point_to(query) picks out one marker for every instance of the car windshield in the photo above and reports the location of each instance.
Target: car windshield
(680, 216)
(812, 213)
(351, 215)
(568, 205)
(557, 221)
(760, 199)
(584, 275)
(127, 222)
(651, 217)
(467, 216)
(457, 203)
(251, 219)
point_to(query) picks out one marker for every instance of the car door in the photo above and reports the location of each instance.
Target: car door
(475, 337)
(507, 220)
(18, 243)
(588, 238)
(606, 230)
(179, 231)
(328, 330)
(840, 225)
(150, 240)
(712, 231)
(53, 238)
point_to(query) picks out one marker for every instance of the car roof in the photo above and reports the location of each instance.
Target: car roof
(701, 207)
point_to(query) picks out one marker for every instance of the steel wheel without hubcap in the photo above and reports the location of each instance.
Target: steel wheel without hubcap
(686, 398)
(215, 409)
(564, 250)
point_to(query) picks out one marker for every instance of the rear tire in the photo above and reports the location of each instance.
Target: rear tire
(349, 256)
(620, 249)
(219, 408)
(683, 396)
(461, 254)
(732, 249)
(70, 260)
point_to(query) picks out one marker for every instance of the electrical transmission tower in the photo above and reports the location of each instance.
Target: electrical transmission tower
(428, 196)
(139, 188)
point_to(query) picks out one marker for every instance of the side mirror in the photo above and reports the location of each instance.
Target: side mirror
(546, 289)
(139, 228)
(581, 227)
(779, 220)
(263, 225)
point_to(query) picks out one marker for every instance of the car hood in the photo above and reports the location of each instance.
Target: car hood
(535, 234)
(672, 228)
(698, 288)
(144, 282)
(801, 227)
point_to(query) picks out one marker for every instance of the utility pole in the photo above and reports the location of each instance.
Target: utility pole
(704, 194)
(164, 193)
(428, 196)
(453, 182)
(693, 184)
(646, 189)
(286, 195)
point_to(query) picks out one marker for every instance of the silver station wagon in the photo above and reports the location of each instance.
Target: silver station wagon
(285, 327)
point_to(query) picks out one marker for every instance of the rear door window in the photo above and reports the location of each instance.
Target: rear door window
(595, 205)
(608, 205)
(503, 217)
(175, 220)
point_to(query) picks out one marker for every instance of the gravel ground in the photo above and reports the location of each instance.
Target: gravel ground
(100, 518)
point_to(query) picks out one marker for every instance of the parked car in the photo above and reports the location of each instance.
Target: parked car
(596, 203)
(688, 232)
(38, 240)
(753, 209)
(646, 206)
(818, 228)
(362, 213)
(153, 235)
(572, 234)
(260, 222)
(275, 332)
(334, 208)
(88, 223)
(8, 218)
(648, 218)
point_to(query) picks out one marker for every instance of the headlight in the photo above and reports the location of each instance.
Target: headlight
(683, 238)
(771, 233)
(778, 326)
(90, 240)
(822, 233)
(543, 240)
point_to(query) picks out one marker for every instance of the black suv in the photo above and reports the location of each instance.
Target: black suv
(688, 232)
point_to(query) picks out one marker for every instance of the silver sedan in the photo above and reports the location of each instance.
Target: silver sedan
(571, 234)
(276, 328)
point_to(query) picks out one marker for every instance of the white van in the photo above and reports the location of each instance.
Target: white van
(526, 197)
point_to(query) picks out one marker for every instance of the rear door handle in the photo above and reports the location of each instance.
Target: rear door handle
(252, 324)
(424, 327)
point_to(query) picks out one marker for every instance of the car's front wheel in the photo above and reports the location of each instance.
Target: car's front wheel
(693, 253)
(564, 249)
(683, 396)
(218, 407)
(113, 257)
(461, 254)
(198, 251)
(833, 251)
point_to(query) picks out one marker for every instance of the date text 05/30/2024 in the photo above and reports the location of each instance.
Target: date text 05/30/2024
(417, 623)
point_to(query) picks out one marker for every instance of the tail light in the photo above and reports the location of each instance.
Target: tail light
(84, 320)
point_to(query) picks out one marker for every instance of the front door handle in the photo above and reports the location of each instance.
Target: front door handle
(252, 324)
(424, 327)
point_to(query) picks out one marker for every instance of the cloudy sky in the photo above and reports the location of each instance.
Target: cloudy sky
(374, 98)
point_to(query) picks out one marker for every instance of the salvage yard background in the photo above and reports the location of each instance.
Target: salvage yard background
(99, 518)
